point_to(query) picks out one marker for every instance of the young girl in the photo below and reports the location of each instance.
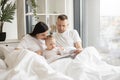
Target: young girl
(52, 52)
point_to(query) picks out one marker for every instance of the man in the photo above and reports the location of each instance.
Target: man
(67, 38)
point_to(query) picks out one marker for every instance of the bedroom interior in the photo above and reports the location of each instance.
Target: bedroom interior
(86, 10)
(95, 21)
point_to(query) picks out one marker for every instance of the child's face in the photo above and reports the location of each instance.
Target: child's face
(51, 43)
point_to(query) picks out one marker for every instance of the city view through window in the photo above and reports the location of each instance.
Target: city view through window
(110, 25)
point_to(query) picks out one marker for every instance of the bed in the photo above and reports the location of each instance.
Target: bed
(26, 65)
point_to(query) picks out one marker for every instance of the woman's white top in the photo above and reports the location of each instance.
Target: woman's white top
(31, 43)
(67, 39)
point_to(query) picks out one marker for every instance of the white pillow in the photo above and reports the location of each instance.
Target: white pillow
(4, 51)
(2, 64)
(2, 56)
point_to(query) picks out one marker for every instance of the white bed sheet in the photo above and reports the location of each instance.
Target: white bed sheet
(26, 65)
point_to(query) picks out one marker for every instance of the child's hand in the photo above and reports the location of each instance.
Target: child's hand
(61, 48)
(39, 52)
(58, 54)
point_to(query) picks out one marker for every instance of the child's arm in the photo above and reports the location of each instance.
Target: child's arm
(60, 50)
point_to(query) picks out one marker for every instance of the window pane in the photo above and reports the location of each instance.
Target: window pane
(110, 24)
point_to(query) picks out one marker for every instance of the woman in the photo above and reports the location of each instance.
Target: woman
(35, 40)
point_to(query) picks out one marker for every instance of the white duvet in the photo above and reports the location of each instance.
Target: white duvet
(26, 65)
(88, 65)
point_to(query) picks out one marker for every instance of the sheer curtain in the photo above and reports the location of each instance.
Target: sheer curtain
(90, 28)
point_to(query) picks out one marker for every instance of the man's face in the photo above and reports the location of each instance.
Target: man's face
(62, 25)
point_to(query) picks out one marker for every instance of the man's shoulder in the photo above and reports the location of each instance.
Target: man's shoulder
(69, 31)
(73, 31)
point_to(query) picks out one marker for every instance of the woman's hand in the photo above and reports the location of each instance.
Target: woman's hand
(39, 52)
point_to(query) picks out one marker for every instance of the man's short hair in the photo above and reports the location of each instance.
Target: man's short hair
(62, 17)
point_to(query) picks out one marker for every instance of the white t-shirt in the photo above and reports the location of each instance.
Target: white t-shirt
(67, 39)
(31, 43)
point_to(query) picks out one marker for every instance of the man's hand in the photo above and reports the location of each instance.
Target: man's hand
(78, 47)
(77, 51)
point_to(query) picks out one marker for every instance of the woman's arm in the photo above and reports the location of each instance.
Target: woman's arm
(39, 52)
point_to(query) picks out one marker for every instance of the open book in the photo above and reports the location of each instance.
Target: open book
(69, 54)
(63, 54)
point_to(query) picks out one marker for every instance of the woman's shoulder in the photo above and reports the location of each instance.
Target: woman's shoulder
(27, 36)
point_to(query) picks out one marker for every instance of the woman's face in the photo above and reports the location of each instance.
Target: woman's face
(42, 35)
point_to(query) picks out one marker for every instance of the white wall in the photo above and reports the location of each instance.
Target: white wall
(92, 22)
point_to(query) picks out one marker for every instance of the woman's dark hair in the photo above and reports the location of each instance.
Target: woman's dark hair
(40, 27)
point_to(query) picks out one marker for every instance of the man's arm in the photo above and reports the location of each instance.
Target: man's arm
(78, 47)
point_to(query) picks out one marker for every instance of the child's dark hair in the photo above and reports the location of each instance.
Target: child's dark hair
(49, 36)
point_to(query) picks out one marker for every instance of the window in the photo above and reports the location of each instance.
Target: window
(110, 24)
(48, 12)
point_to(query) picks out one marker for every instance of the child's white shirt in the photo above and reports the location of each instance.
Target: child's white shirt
(52, 55)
